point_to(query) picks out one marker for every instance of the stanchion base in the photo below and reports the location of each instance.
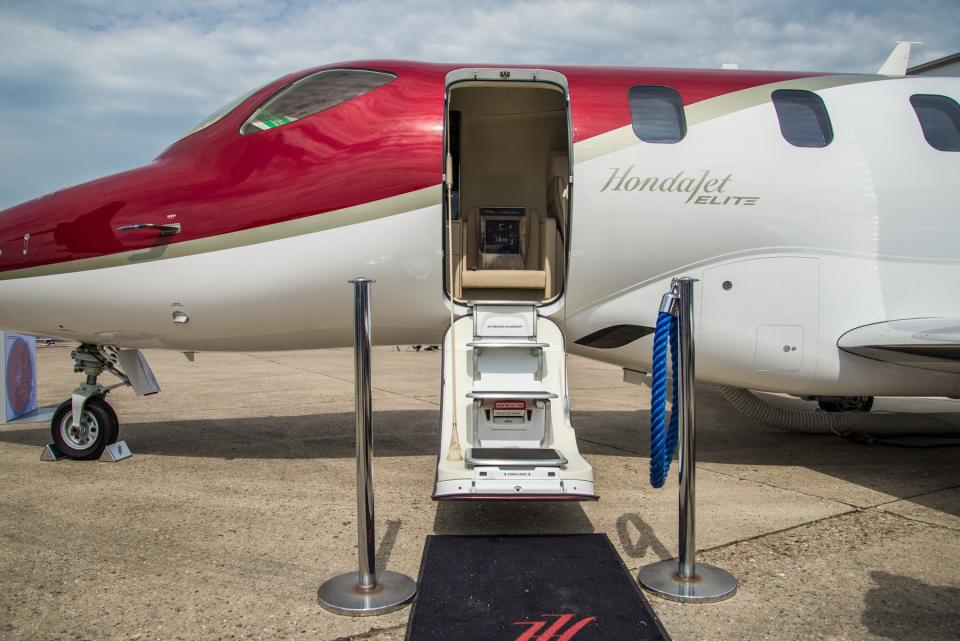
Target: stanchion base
(708, 585)
(342, 594)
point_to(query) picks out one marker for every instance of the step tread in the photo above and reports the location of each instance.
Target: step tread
(505, 395)
(514, 457)
(527, 344)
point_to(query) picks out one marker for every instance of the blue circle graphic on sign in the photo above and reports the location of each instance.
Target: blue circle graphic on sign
(19, 377)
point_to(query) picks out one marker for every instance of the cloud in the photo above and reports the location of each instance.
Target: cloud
(93, 87)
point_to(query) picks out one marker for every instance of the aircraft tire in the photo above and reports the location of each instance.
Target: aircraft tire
(115, 432)
(100, 421)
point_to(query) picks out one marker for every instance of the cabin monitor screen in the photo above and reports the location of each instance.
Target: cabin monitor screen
(503, 237)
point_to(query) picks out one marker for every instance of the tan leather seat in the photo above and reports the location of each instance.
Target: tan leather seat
(533, 276)
(505, 279)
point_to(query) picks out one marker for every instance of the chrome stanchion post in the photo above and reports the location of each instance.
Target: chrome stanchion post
(365, 592)
(684, 579)
(686, 397)
(366, 542)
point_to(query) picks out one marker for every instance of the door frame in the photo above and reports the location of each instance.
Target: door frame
(508, 74)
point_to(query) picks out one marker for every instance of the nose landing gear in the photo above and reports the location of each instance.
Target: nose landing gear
(85, 424)
(98, 428)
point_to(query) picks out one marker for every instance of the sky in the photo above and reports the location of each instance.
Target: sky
(92, 87)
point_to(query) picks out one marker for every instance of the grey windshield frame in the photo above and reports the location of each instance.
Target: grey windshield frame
(220, 113)
(285, 91)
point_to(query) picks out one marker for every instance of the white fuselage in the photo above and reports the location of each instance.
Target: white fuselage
(793, 247)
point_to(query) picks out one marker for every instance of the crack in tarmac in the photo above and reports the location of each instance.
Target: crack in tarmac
(602, 444)
(855, 510)
(915, 496)
(778, 487)
(367, 635)
(915, 520)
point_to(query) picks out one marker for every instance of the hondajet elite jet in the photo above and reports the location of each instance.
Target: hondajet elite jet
(544, 211)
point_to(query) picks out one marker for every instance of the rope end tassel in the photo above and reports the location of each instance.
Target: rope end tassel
(453, 452)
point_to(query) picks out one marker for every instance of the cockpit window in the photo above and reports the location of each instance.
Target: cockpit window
(313, 94)
(220, 113)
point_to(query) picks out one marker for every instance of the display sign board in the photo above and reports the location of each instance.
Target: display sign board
(18, 376)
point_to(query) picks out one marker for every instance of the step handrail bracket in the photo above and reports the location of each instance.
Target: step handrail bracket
(681, 579)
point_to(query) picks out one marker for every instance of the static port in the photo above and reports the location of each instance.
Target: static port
(180, 318)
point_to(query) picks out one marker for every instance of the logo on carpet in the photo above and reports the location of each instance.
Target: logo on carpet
(563, 628)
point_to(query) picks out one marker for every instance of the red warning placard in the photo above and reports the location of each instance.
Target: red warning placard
(509, 409)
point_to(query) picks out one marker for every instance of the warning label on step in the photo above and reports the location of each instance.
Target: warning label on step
(509, 409)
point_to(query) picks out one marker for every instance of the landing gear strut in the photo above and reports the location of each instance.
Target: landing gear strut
(85, 424)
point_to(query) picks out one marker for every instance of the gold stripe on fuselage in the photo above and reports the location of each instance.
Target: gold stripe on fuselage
(584, 150)
(711, 108)
(318, 222)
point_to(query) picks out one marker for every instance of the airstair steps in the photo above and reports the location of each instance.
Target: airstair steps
(512, 414)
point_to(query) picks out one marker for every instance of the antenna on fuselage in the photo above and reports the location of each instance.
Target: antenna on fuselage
(898, 60)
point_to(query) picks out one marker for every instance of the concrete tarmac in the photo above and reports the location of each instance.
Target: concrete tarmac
(239, 501)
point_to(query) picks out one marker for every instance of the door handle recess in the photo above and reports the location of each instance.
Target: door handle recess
(167, 229)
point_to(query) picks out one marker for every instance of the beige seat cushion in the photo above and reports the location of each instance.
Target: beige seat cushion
(535, 276)
(504, 278)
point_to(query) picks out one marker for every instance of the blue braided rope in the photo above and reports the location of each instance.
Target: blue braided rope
(663, 440)
(674, 429)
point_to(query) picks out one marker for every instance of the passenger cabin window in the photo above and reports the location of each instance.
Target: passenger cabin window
(804, 121)
(657, 114)
(939, 118)
(313, 94)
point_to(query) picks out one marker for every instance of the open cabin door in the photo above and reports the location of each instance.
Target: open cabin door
(508, 174)
(505, 415)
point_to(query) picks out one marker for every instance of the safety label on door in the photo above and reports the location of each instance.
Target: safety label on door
(509, 409)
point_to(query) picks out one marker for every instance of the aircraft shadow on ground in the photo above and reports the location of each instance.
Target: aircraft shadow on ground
(636, 537)
(901, 607)
(724, 437)
(510, 517)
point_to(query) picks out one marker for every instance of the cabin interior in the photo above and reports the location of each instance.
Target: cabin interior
(508, 171)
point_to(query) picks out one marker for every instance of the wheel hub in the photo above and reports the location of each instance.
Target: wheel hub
(80, 437)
